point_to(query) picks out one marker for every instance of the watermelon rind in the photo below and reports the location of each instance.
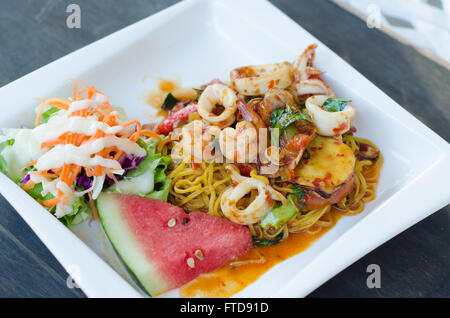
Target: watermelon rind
(127, 245)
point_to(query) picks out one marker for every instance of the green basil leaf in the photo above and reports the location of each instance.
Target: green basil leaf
(199, 92)
(290, 118)
(169, 102)
(335, 104)
(306, 155)
(259, 242)
(298, 192)
(282, 118)
(275, 117)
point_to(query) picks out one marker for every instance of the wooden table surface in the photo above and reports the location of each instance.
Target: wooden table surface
(416, 263)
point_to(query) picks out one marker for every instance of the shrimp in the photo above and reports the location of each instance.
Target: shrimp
(311, 87)
(257, 209)
(240, 144)
(306, 78)
(257, 79)
(197, 142)
(250, 115)
(329, 123)
(304, 62)
(213, 95)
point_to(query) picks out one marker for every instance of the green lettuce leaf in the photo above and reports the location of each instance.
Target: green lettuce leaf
(157, 163)
(36, 193)
(3, 163)
(149, 179)
(279, 215)
(80, 212)
(47, 114)
(80, 208)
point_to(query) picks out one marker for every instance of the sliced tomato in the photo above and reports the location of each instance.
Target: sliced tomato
(315, 201)
(245, 169)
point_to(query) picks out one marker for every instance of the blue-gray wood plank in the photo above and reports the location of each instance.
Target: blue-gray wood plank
(415, 263)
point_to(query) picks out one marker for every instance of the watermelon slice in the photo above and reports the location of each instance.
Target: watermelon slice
(163, 246)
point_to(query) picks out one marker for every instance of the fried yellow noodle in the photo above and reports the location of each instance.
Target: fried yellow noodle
(199, 187)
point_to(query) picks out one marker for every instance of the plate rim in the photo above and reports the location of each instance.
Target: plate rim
(37, 220)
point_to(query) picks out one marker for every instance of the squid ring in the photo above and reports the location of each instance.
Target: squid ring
(257, 79)
(255, 211)
(260, 206)
(329, 123)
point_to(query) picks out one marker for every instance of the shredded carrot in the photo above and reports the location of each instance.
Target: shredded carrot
(56, 102)
(74, 174)
(32, 163)
(118, 155)
(51, 202)
(150, 133)
(104, 113)
(101, 112)
(98, 171)
(131, 122)
(75, 91)
(51, 143)
(89, 171)
(65, 172)
(45, 174)
(27, 186)
(109, 117)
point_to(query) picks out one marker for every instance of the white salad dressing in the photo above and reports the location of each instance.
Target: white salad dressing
(83, 155)
(87, 103)
(101, 98)
(58, 125)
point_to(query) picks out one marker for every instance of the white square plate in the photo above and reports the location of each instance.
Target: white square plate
(198, 40)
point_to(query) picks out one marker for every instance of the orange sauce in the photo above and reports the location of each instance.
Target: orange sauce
(167, 85)
(156, 98)
(229, 280)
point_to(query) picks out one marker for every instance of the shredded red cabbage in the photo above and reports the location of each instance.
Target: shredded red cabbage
(127, 163)
(84, 181)
(25, 179)
(131, 163)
